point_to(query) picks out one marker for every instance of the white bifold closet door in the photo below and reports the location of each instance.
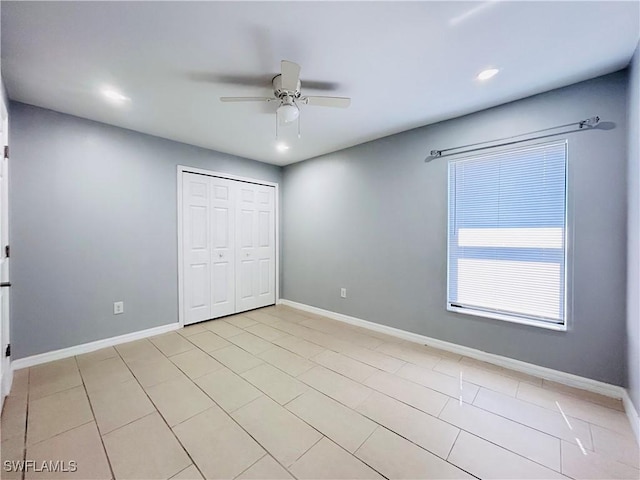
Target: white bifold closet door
(228, 246)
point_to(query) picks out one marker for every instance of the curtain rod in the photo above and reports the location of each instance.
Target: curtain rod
(590, 122)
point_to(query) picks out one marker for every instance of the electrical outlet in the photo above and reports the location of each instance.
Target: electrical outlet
(118, 308)
(343, 293)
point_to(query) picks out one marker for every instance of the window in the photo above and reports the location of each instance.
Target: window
(507, 235)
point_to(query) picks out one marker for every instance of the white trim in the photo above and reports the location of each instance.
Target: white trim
(632, 415)
(559, 327)
(91, 346)
(184, 169)
(6, 380)
(517, 365)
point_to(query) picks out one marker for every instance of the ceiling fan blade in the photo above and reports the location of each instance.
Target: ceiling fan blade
(290, 75)
(339, 102)
(247, 99)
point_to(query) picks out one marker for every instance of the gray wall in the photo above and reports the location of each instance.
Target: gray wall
(633, 264)
(93, 221)
(373, 219)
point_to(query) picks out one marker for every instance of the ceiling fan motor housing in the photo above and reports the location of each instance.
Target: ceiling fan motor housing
(280, 93)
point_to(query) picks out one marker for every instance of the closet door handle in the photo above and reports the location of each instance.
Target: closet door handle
(5, 284)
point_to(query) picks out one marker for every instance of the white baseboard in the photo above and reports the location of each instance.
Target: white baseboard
(5, 385)
(90, 347)
(632, 415)
(520, 366)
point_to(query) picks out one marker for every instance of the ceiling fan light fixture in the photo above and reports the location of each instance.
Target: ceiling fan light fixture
(287, 113)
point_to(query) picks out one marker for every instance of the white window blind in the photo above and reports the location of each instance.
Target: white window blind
(507, 224)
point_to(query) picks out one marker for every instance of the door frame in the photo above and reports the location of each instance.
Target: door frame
(6, 371)
(185, 169)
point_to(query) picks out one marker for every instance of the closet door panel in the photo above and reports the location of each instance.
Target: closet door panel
(223, 282)
(196, 248)
(256, 246)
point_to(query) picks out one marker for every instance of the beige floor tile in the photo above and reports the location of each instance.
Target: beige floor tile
(138, 350)
(326, 460)
(261, 317)
(81, 445)
(276, 384)
(105, 373)
(488, 461)
(426, 431)
(323, 324)
(386, 338)
(218, 446)
(152, 372)
(222, 328)
(299, 346)
(420, 397)
(346, 366)
(20, 384)
(265, 469)
(240, 321)
(191, 330)
(97, 356)
(439, 381)
(281, 433)
(53, 377)
(178, 399)
(121, 404)
(602, 400)
(373, 358)
(575, 407)
(532, 444)
(340, 388)
(618, 447)
(208, 341)
(12, 451)
(196, 363)
(326, 340)
(341, 424)
(227, 389)
(265, 331)
(292, 328)
(249, 342)
(409, 353)
(286, 361)
(57, 413)
(577, 465)
(479, 376)
(360, 339)
(145, 449)
(171, 343)
(236, 359)
(189, 473)
(507, 372)
(14, 417)
(534, 416)
(294, 316)
(395, 457)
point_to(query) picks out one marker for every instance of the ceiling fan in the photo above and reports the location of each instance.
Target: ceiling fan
(286, 91)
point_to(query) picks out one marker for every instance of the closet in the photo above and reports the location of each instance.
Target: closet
(228, 246)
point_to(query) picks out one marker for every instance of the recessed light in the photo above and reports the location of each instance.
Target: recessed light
(114, 95)
(282, 147)
(487, 74)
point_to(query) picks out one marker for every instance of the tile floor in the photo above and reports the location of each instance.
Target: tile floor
(278, 393)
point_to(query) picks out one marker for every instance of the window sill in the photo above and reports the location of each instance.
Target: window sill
(509, 318)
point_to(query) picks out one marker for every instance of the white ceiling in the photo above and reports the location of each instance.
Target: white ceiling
(404, 64)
